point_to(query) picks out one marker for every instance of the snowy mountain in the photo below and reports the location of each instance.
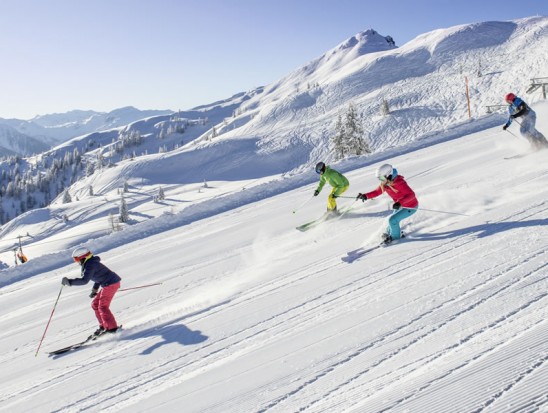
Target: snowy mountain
(54, 129)
(239, 311)
(13, 142)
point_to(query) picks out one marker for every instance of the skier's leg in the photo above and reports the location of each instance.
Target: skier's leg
(394, 221)
(95, 307)
(528, 130)
(331, 203)
(336, 191)
(103, 307)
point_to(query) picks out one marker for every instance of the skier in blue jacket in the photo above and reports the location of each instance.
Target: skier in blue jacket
(93, 270)
(519, 109)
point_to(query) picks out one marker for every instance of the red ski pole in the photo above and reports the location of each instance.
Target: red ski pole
(52, 311)
(141, 286)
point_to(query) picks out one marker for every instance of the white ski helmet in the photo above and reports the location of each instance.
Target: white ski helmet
(384, 172)
(81, 253)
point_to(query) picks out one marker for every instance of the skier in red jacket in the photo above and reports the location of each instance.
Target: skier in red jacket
(405, 201)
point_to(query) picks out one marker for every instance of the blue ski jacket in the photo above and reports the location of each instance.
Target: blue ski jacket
(516, 109)
(94, 270)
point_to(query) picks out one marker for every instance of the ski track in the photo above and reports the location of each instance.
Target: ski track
(486, 284)
(243, 340)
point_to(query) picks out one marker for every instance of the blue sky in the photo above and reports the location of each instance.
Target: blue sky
(101, 55)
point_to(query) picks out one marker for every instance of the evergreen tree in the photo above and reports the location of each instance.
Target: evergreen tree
(338, 139)
(90, 169)
(385, 110)
(66, 197)
(355, 140)
(161, 195)
(123, 213)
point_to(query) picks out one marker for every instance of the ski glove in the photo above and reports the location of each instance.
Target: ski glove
(316, 192)
(505, 127)
(396, 205)
(93, 293)
(363, 197)
(65, 281)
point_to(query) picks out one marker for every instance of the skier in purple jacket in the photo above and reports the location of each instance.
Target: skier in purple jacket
(109, 281)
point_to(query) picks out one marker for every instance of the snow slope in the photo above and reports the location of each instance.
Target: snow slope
(254, 316)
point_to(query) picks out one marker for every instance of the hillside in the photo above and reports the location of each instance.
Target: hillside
(253, 315)
(249, 314)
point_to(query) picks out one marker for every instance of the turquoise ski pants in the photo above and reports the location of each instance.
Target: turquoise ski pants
(395, 219)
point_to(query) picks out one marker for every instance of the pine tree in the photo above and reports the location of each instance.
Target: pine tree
(90, 169)
(385, 110)
(66, 197)
(123, 213)
(338, 139)
(161, 195)
(355, 140)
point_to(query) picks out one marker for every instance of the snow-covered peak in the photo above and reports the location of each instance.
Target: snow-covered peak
(368, 41)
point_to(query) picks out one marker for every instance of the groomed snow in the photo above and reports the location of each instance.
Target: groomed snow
(254, 316)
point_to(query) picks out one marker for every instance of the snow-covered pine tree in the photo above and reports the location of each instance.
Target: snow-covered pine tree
(66, 197)
(355, 140)
(385, 109)
(338, 139)
(123, 212)
(90, 169)
(161, 195)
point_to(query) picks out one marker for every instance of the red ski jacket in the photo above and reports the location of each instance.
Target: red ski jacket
(398, 190)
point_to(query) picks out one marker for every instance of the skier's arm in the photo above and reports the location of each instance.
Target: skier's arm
(321, 184)
(87, 273)
(375, 193)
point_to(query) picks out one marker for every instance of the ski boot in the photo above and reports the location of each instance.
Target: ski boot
(386, 239)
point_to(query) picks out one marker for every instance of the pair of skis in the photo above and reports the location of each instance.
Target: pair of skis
(356, 254)
(328, 216)
(80, 344)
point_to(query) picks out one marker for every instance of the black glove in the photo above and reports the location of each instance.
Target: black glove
(93, 293)
(363, 197)
(396, 205)
(505, 127)
(333, 196)
(316, 192)
(65, 281)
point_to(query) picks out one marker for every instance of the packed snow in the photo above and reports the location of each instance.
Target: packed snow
(247, 314)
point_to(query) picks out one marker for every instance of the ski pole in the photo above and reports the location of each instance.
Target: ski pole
(140, 286)
(50, 317)
(349, 208)
(343, 196)
(303, 204)
(511, 133)
(441, 212)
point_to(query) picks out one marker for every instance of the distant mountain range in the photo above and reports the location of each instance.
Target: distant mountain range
(27, 137)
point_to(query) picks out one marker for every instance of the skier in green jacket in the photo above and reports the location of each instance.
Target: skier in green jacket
(337, 180)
